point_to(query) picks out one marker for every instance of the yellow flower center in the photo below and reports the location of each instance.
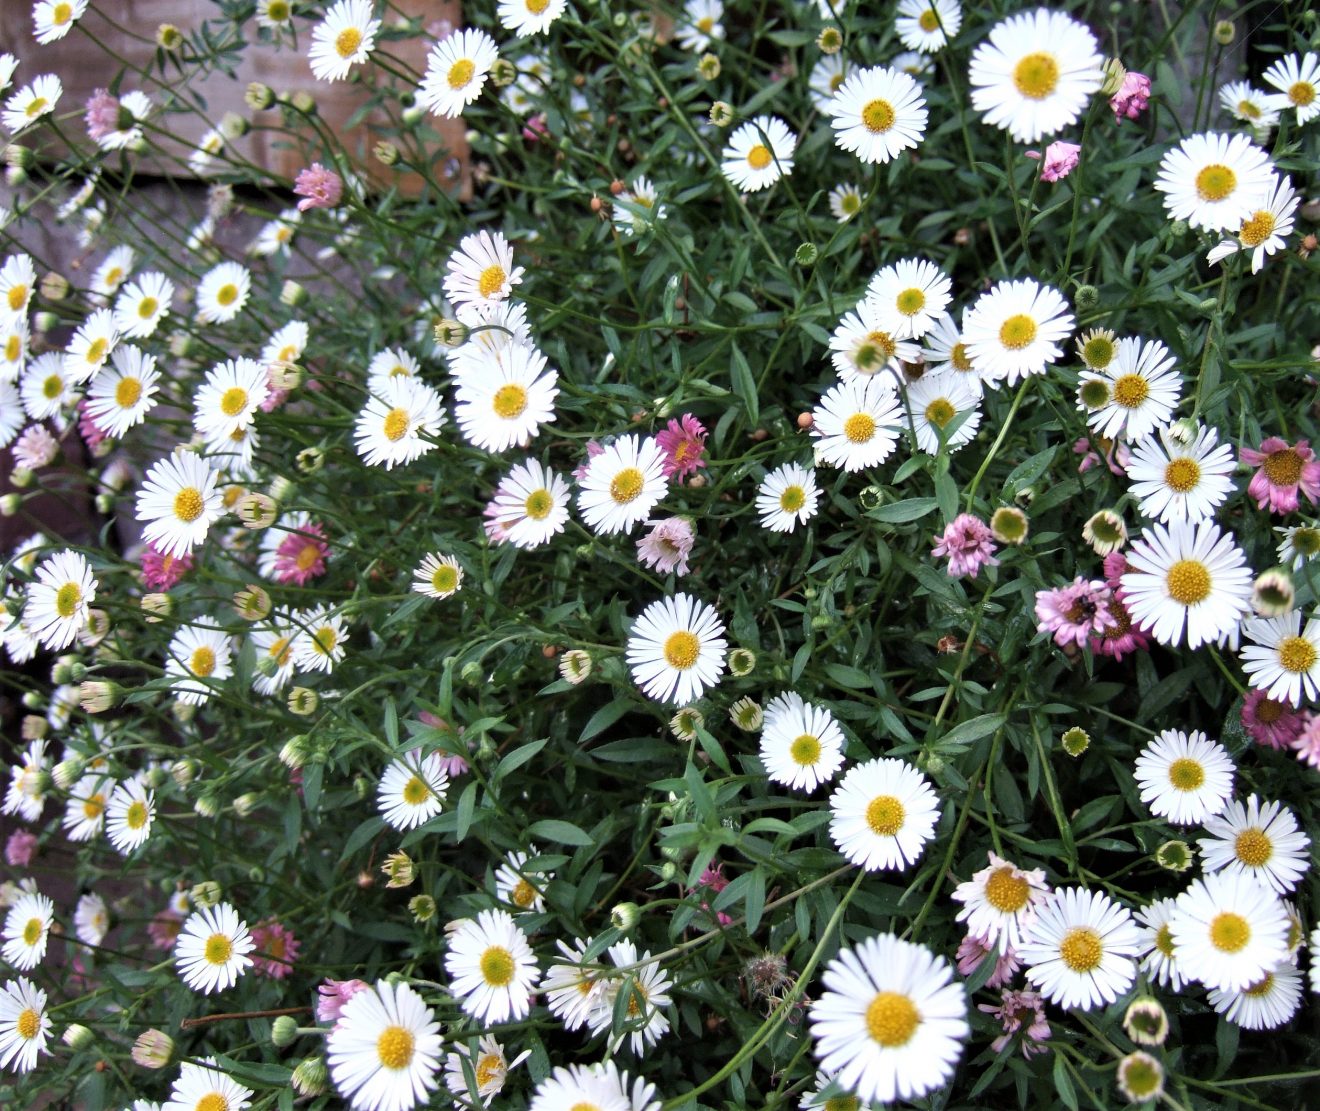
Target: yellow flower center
(583, 1105)
(1215, 182)
(958, 357)
(859, 428)
(1246, 108)
(836, 80)
(13, 349)
(910, 301)
(1186, 774)
(1283, 467)
(1297, 654)
(114, 277)
(135, 817)
(29, 1022)
(1253, 847)
(523, 895)
(538, 504)
(233, 401)
(347, 42)
(489, 1065)
(212, 1101)
(188, 504)
(491, 280)
(884, 815)
(1164, 940)
(1260, 987)
(415, 791)
(445, 579)
(1082, 950)
(929, 21)
(324, 640)
(704, 24)
(227, 294)
(1257, 229)
(32, 931)
(1036, 75)
(18, 295)
(497, 966)
(281, 650)
(1182, 474)
(37, 106)
(202, 662)
(218, 949)
(878, 116)
(1229, 932)
(510, 401)
(461, 72)
(307, 556)
(52, 387)
(940, 411)
(1005, 891)
(626, 485)
(67, 599)
(61, 14)
(1188, 582)
(805, 750)
(147, 308)
(1301, 93)
(682, 649)
(1017, 331)
(792, 499)
(394, 1047)
(396, 425)
(843, 1103)
(277, 11)
(874, 351)
(891, 1019)
(94, 806)
(758, 158)
(96, 350)
(128, 392)
(1098, 352)
(1130, 391)
(850, 203)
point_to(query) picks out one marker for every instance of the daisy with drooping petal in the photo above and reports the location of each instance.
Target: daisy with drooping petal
(1160, 962)
(1000, 902)
(222, 293)
(911, 295)
(1082, 949)
(877, 113)
(1143, 390)
(212, 949)
(488, 1066)
(1215, 181)
(27, 930)
(59, 600)
(31, 102)
(199, 658)
(529, 17)
(758, 153)
(512, 885)
(480, 273)
(676, 649)
(229, 397)
(944, 351)
(1187, 580)
(1266, 230)
(934, 402)
(129, 814)
(1283, 659)
(390, 428)
(927, 25)
(1228, 931)
(122, 395)
(864, 345)
(1183, 777)
(573, 986)
(203, 1087)
(1016, 330)
(456, 71)
(801, 744)
(412, 790)
(1176, 479)
(1298, 82)
(143, 304)
(52, 19)
(856, 424)
(530, 505)
(643, 194)
(647, 987)
(1282, 471)
(319, 643)
(492, 967)
(91, 345)
(787, 498)
(884, 812)
(891, 1021)
(343, 39)
(1266, 1004)
(24, 1025)
(506, 403)
(622, 485)
(1260, 840)
(1035, 73)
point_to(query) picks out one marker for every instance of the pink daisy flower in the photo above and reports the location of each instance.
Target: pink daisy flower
(667, 546)
(683, 442)
(92, 436)
(164, 927)
(973, 950)
(594, 448)
(1132, 97)
(453, 765)
(1123, 636)
(277, 949)
(1280, 472)
(163, 572)
(20, 848)
(715, 881)
(1116, 566)
(1074, 612)
(1270, 723)
(968, 543)
(1058, 161)
(301, 555)
(333, 996)
(1307, 745)
(1020, 1011)
(101, 115)
(318, 187)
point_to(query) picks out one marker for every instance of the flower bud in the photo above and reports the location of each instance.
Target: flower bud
(1086, 297)
(806, 254)
(259, 96)
(256, 511)
(385, 152)
(309, 460)
(1225, 32)
(742, 662)
(207, 806)
(183, 771)
(292, 294)
(20, 477)
(183, 712)
(252, 603)
(450, 333)
(1273, 593)
(68, 771)
(205, 894)
(77, 1036)
(1105, 531)
(1075, 741)
(1009, 525)
(1113, 73)
(302, 701)
(1176, 856)
(1145, 1022)
(398, 867)
(152, 1050)
(503, 73)
(708, 67)
(283, 1031)
(310, 1078)
(830, 40)
(34, 727)
(624, 916)
(285, 376)
(54, 287)
(721, 113)
(746, 714)
(244, 805)
(18, 157)
(169, 37)
(295, 752)
(155, 606)
(421, 907)
(96, 696)
(10, 504)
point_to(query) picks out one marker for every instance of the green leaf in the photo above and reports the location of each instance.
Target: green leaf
(467, 803)
(754, 905)
(946, 493)
(964, 733)
(744, 385)
(603, 718)
(899, 512)
(1063, 1084)
(517, 758)
(566, 833)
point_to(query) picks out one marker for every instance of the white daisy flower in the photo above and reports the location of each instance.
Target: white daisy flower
(1082, 949)
(573, 986)
(845, 202)
(1143, 388)
(1160, 960)
(598, 1087)
(1035, 74)
(286, 346)
(232, 453)
(643, 194)
(91, 919)
(1000, 902)
(700, 24)
(276, 235)
(91, 345)
(1185, 778)
(506, 404)
(122, 395)
(801, 744)
(59, 600)
(1249, 105)
(393, 362)
(8, 63)
(134, 107)
(1283, 659)
(46, 389)
(1177, 480)
(274, 652)
(1298, 82)
(647, 989)
(927, 25)
(759, 153)
(512, 885)
(199, 658)
(877, 113)
(857, 424)
(212, 949)
(27, 930)
(12, 417)
(943, 350)
(51, 19)
(200, 161)
(456, 71)
(390, 428)
(1300, 544)
(481, 271)
(222, 293)
(25, 794)
(1260, 840)
(864, 345)
(883, 813)
(31, 102)
(112, 273)
(787, 497)
(202, 1087)
(488, 1066)
(384, 1051)
(1016, 330)
(622, 485)
(1266, 230)
(891, 1021)
(1215, 181)
(530, 505)
(229, 397)
(492, 329)
(830, 1095)
(343, 39)
(412, 790)
(491, 967)
(1264, 1005)
(1187, 579)
(911, 294)
(934, 401)
(1228, 931)
(274, 14)
(438, 576)
(827, 76)
(319, 643)
(142, 304)
(18, 278)
(529, 17)
(676, 649)
(129, 814)
(24, 1025)
(15, 339)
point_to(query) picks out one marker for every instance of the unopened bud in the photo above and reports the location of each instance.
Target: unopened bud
(283, 1031)
(292, 294)
(206, 894)
(503, 73)
(156, 606)
(67, 772)
(77, 1036)
(54, 287)
(310, 1078)
(183, 771)
(830, 40)
(252, 603)
(450, 333)
(309, 460)
(398, 866)
(1225, 32)
(96, 696)
(303, 701)
(256, 511)
(721, 113)
(259, 96)
(422, 908)
(295, 752)
(385, 152)
(10, 504)
(625, 916)
(169, 37)
(152, 1050)
(708, 67)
